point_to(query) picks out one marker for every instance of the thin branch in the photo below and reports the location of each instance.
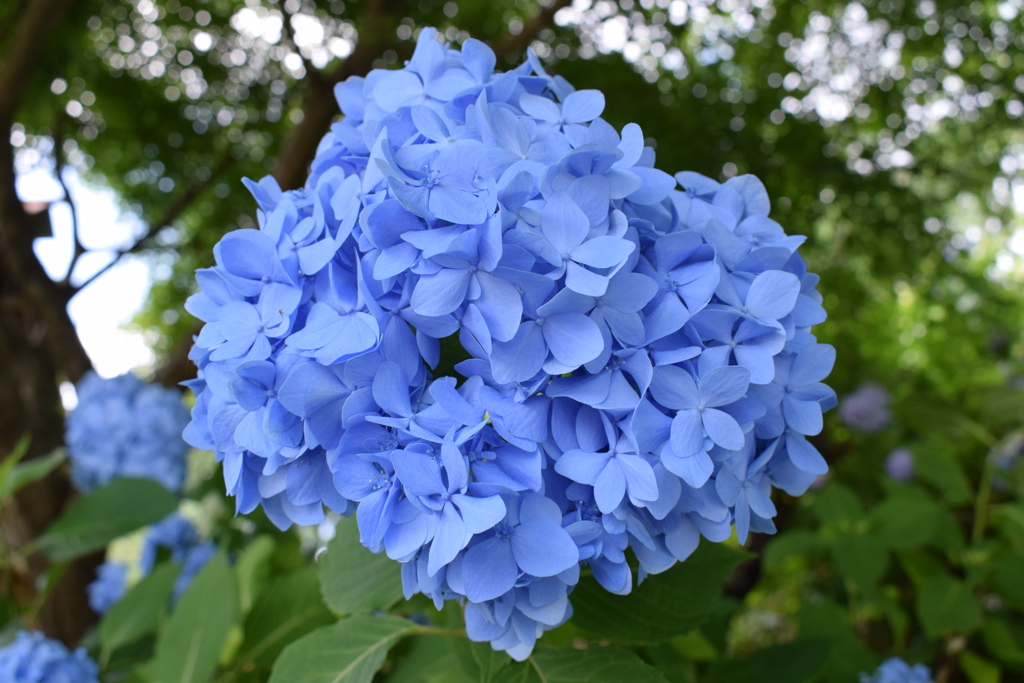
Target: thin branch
(173, 212)
(58, 156)
(516, 44)
(312, 73)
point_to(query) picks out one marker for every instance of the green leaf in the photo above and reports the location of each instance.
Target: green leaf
(859, 557)
(593, 665)
(354, 580)
(907, 519)
(426, 659)
(91, 522)
(190, 643)
(1007, 574)
(252, 569)
(847, 656)
(791, 663)
(479, 660)
(790, 544)
(12, 459)
(140, 610)
(945, 605)
(979, 670)
(20, 476)
(942, 470)
(350, 651)
(836, 504)
(290, 608)
(1004, 639)
(665, 605)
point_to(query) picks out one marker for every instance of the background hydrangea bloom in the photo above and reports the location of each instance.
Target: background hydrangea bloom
(634, 356)
(34, 658)
(124, 427)
(895, 670)
(174, 536)
(867, 409)
(899, 465)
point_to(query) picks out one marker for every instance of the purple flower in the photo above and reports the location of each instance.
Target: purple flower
(866, 410)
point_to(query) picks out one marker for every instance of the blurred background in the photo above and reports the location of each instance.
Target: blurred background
(888, 132)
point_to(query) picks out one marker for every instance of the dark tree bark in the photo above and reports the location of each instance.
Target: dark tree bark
(39, 348)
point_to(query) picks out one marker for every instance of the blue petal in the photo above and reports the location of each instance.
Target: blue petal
(449, 538)
(687, 433)
(772, 295)
(723, 429)
(489, 570)
(543, 548)
(441, 293)
(573, 338)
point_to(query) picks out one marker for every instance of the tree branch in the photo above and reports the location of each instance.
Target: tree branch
(173, 212)
(515, 45)
(376, 34)
(58, 169)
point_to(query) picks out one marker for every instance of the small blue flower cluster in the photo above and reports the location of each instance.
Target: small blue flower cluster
(638, 364)
(34, 658)
(895, 670)
(175, 535)
(866, 410)
(124, 427)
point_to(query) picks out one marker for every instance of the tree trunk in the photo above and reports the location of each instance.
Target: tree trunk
(39, 348)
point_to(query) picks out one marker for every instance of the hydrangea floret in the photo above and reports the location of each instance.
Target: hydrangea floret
(490, 328)
(33, 658)
(866, 410)
(895, 670)
(124, 427)
(176, 537)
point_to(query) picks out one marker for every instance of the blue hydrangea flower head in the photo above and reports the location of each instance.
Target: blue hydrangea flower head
(494, 331)
(895, 670)
(124, 427)
(899, 464)
(175, 539)
(866, 410)
(108, 587)
(34, 658)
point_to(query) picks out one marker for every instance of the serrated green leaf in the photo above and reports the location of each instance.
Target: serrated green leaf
(290, 608)
(189, 645)
(25, 473)
(945, 605)
(350, 651)
(354, 580)
(663, 606)
(140, 610)
(593, 665)
(91, 522)
(796, 662)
